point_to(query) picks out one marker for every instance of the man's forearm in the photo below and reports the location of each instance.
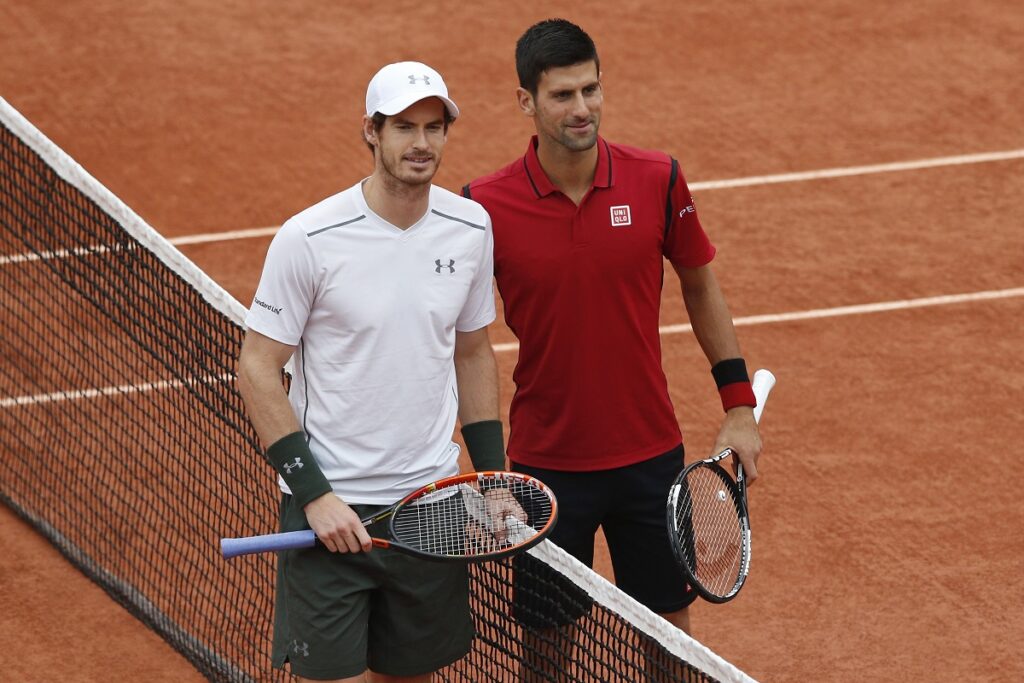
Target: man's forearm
(713, 327)
(266, 401)
(259, 382)
(477, 378)
(476, 373)
(709, 314)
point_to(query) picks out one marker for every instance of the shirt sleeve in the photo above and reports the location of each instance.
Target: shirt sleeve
(478, 310)
(287, 287)
(686, 244)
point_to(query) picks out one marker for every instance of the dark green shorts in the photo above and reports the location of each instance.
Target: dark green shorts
(339, 614)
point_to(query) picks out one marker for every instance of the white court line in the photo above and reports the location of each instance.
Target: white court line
(836, 312)
(62, 253)
(251, 233)
(847, 171)
(74, 395)
(860, 170)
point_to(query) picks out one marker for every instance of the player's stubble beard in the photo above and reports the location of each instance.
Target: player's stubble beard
(576, 143)
(559, 131)
(399, 182)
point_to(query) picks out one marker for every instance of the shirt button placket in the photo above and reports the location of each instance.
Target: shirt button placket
(579, 235)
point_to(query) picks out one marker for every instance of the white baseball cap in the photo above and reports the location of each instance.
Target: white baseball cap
(398, 86)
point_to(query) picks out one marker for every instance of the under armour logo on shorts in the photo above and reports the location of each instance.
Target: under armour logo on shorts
(450, 266)
(300, 648)
(293, 465)
(413, 79)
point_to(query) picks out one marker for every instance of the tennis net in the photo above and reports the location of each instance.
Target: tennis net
(124, 442)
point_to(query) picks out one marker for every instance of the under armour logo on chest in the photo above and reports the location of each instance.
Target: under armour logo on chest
(413, 79)
(450, 266)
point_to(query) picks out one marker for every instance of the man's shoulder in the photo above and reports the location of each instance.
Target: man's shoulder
(509, 175)
(447, 204)
(641, 170)
(653, 159)
(338, 209)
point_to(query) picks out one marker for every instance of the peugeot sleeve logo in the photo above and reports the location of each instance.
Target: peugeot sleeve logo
(450, 266)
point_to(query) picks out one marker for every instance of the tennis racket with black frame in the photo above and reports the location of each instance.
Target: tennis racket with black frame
(466, 518)
(708, 517)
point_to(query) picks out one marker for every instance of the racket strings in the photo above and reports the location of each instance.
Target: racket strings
(488, 515)
(708, 520)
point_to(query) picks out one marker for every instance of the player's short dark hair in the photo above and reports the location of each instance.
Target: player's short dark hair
(378, 123)
(379, 119)
(550, 44)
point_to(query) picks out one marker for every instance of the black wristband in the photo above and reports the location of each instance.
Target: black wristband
(292, 459)
(485, 442)
(730, 371)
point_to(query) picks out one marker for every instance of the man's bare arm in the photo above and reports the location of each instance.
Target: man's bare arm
(476, 373)
(712, 326)
(260, 383)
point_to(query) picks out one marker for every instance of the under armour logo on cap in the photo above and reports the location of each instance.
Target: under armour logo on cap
(398, 86)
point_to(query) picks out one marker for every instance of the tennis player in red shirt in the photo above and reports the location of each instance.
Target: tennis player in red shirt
(581, 228)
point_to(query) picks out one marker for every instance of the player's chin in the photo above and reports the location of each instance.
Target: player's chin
(580, 141)
(416, 173)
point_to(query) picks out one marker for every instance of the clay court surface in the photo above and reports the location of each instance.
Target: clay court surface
(887, 526)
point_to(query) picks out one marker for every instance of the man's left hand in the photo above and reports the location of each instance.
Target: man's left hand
(739, 432)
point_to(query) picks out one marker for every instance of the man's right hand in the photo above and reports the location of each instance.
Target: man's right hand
(337, 525)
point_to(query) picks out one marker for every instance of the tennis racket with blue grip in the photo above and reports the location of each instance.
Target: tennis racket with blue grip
(470, 517)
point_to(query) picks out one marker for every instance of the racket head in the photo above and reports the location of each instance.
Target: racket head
(709, 529)
(474, 517)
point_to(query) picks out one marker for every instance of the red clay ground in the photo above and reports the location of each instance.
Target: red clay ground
(887, 529)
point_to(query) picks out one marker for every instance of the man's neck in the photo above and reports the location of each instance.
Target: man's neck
(571, 172)
(398, 203)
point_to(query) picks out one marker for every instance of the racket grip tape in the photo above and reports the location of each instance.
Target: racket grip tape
(291, 540)
(762, 385)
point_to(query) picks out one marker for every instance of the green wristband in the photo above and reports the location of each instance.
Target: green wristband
(291, 457)
(485, 442)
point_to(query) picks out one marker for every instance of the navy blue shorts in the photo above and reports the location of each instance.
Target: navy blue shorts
(628, 503)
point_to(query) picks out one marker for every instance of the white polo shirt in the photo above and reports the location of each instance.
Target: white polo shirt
(373, 311)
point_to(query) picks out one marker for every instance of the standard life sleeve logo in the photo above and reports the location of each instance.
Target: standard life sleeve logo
(276, 310)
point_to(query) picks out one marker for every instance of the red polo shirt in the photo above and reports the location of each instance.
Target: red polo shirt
(581, 288)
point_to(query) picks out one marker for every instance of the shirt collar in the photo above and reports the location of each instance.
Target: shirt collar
(542, 185)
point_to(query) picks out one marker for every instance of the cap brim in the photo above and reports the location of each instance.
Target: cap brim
(400, 104)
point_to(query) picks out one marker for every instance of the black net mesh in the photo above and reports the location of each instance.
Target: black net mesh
(124, 441)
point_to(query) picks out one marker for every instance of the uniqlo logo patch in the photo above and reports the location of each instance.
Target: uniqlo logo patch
(620, 216)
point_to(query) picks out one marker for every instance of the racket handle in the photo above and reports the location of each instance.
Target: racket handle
(762, 385)
(518, 531)
(291, 540)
